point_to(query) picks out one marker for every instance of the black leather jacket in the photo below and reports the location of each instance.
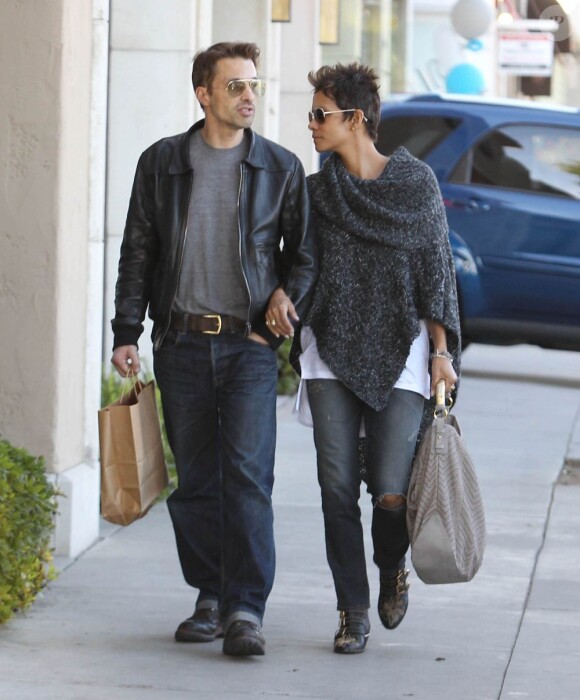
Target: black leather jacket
(272, 208)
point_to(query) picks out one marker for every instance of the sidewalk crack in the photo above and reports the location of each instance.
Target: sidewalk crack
(529, 590)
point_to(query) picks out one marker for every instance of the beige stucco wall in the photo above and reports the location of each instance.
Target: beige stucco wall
(45, 71)
(29, 71)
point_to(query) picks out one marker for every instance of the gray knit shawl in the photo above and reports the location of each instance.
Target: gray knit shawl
(385, 264)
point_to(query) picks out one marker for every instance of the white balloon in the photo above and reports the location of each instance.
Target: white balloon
(471, 18)
(556, 13)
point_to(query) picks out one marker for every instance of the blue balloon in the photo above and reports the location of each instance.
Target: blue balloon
(475, 45)
(465, 79)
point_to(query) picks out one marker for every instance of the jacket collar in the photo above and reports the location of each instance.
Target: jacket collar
(180, 160)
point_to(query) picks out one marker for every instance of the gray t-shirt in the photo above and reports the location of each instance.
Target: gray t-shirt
(211, 278)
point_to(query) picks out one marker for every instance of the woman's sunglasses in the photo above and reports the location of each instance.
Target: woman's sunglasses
(319, 115)
(238, 86)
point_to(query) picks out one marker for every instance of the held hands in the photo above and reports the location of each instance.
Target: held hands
(126, 360)
(280, 311)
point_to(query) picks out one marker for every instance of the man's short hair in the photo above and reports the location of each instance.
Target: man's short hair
(352, 86)
(204, 62)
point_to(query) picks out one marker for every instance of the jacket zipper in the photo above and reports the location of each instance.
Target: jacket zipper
(248, 323)
(161, 337)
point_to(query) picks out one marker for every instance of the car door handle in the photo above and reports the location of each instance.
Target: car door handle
(471, 204)
(476, 204)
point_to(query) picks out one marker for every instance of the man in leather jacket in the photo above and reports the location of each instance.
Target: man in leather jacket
(216, 247)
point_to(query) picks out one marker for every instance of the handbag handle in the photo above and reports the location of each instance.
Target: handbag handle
(442, 403)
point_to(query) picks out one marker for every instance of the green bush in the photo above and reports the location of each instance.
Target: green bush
(27, 508)
(288, 380)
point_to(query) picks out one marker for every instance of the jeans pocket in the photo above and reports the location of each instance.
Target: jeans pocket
(266, 345)
(172, 339)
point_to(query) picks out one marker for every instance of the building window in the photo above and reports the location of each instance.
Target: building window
(281, 10)
(329, 21)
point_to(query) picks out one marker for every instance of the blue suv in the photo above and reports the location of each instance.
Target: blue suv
(509, 172)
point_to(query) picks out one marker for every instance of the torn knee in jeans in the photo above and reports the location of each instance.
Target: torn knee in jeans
(390, 501)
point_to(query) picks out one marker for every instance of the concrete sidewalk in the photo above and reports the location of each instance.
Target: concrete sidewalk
(104, 628)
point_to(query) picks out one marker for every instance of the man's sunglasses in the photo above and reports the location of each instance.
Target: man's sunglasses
(238, 86)
(319, 115)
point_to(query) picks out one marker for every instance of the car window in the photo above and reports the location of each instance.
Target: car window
(535, 158)
(420, 135)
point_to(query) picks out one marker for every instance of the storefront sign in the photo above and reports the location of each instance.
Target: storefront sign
(525, 53)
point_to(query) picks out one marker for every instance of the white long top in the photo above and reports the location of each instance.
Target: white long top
(414, 377)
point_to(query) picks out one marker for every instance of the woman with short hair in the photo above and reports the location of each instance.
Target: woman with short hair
(382, 330)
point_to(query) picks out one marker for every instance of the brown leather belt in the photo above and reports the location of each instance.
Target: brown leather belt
(212, 324)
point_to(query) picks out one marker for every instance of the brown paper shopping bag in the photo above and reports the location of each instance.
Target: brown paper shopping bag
(133, 470)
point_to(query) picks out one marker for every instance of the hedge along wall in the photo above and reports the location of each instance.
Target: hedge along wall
(27, 510)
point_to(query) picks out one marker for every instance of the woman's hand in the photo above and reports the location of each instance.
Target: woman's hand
(442, 368)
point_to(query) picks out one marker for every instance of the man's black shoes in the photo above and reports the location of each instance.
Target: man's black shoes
(244, 638)
(203, 626)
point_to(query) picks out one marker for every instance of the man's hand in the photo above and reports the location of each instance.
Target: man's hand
(280, 311)
(126, 360)
(258, 339)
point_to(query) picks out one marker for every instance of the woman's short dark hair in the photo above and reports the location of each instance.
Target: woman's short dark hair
(351, 86)
(204, 62)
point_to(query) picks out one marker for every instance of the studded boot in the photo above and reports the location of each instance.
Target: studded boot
(393, 596)
(353, 632)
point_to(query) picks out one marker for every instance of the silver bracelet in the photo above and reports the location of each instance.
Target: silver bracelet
(442, 353)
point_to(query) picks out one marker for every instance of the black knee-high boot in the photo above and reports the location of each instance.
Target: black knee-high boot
(391, 541)
(390, 537)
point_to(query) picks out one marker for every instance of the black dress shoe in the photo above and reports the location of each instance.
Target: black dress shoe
(203, 626)
(353, 632)
(244, 638)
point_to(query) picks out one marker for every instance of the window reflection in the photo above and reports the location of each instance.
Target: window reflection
(539, 159)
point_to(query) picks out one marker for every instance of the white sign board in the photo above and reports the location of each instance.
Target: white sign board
(525, 53)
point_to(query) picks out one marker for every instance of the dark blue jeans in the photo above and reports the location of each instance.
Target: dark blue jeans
(219, 403)
(391, 436)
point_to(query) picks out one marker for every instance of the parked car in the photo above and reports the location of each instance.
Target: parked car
(509, 172)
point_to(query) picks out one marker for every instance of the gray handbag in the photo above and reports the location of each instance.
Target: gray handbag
(445, 516)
